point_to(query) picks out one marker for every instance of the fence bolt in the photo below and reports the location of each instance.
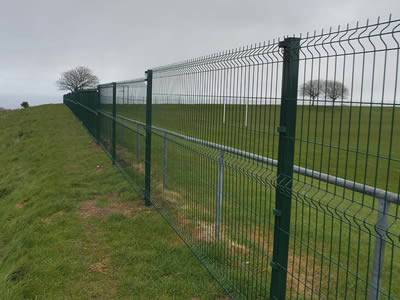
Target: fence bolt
(285, 166)
(220, 194)
(379, 251)
(277, 212)
(147, 161)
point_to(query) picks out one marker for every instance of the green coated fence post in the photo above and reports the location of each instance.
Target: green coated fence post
(114, 114)
(97, 106)
(287, 129)
(147, 162)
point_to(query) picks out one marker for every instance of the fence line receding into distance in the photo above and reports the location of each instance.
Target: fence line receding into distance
(280, 193)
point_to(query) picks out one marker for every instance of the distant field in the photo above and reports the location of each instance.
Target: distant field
(73, 227)
(356, 143)
(333, 232)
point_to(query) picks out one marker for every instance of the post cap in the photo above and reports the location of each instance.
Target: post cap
(289, 40)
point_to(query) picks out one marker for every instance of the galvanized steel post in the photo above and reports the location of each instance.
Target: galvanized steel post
(147, 162)
(165, 162)
(220, 195)
(287, 130)
(379, 251)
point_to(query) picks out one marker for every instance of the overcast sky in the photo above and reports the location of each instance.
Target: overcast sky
(119, 39)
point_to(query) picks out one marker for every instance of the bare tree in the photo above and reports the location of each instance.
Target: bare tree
(77, 79)
(335, 89)
(312, 89)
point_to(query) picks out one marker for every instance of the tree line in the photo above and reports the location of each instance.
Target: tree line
(324, 89)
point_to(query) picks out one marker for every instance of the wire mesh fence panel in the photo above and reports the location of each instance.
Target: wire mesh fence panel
(106, 117)
(348, 119)
(88, 101)
(216, 115)
(131, 100)
(130, 129)
(210, 116)
(105, 132)
(84, 105)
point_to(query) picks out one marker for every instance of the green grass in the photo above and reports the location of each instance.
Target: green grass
(332, 233)
(351, 142)
(73, 227)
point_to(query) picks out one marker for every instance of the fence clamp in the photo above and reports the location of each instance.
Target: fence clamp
(274, 265)
(277, 212)
(282, 129)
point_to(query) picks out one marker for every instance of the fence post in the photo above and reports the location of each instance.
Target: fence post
(97, 106)
(123, 94)
(287, 130)
(220, 195)
(379, 251)
(127, 96)
(147, 161)
(114, 114)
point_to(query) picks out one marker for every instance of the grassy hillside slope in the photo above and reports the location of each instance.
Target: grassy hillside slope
(71, 226)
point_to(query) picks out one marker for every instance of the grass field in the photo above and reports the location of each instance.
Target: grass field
(333, 232)
(72, 226)
(356, 143)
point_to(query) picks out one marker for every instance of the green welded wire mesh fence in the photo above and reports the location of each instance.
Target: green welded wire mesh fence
(277, 163)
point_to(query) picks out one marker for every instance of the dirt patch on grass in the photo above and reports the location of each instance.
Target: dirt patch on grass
(303, 270)
(139, 167)
(106, 284)
(124, 154)
(204, 232)
(172, 196)
(163, 194)
(53, 217)
(90, 208)
(100, 266)
(20, 205)
(304, 275)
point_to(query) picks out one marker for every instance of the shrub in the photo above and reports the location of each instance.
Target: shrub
(25, 104)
